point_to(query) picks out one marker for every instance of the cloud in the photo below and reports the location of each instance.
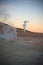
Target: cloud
(7, 6)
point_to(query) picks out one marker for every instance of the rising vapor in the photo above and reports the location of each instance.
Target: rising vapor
(24, 25)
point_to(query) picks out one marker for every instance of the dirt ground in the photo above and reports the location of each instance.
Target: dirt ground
(27, 49)
(21, 52)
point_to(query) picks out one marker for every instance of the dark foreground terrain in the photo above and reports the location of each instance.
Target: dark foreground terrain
(20, 54)
(27, 49)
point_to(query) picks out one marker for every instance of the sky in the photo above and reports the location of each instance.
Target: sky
(17, 11)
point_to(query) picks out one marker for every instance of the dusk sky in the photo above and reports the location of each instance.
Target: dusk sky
(21, 10)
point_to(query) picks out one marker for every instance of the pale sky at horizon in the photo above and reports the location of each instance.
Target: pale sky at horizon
(20, 10)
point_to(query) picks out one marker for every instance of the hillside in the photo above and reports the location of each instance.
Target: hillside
(10, 33)
(20, 33)
(29, 37)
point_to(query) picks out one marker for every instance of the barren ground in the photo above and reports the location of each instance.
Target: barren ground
(25, 50)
